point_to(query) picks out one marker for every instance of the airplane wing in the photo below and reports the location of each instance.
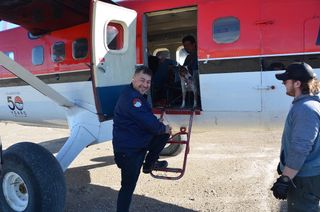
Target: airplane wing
(43, 16)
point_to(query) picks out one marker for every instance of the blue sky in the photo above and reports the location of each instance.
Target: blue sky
(7, 25)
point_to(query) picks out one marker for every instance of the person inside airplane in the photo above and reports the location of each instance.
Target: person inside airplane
(299, 166)
(138, 135)
(191, 62)
(163, 79)
(190, 45)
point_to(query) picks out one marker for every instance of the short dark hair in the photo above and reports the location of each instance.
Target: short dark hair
(189, 38)
(143, 69)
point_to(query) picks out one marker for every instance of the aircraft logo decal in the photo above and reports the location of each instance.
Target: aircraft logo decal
(15, 104)
(18, 102)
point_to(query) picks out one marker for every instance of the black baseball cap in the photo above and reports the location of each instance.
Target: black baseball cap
(297, 71)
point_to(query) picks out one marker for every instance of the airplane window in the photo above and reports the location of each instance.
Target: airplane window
(80, 48)
(33, 37)
(318, 39)
(7, 25)
(37, 55)
(9, 54)
(58, 52)
(114, 36)
(181, 55)
(162, 53)
(226, 30)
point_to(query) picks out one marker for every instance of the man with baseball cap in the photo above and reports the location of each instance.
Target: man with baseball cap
(297, 71)
(299, 166)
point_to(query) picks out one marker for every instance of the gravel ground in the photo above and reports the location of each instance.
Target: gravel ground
(227, 170)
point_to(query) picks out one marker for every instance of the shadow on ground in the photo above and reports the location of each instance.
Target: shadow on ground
(81, 195)
(54, 145)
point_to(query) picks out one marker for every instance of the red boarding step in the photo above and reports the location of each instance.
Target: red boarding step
(162, 173)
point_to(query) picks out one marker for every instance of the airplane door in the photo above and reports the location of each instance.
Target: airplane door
(113, 53)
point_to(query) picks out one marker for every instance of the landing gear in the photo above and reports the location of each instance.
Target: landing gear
(31, 180)
(172, 149)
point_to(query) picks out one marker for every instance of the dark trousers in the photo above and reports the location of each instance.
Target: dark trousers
(305, 197)
(130, 164)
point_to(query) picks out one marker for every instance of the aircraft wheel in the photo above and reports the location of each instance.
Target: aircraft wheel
(172, 149)
(31, 180)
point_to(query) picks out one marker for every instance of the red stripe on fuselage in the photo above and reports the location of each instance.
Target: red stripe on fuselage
(17, 41)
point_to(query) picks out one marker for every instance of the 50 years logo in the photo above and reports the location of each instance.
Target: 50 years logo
(15, 104)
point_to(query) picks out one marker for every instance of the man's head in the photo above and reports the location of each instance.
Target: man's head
(189, 43)
(297, 71)
(298, 78)
(141, 80)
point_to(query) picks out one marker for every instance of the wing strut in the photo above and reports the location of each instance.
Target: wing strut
(34, 81)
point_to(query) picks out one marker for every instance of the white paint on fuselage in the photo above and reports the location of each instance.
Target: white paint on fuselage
(231, 92)
(39, 109)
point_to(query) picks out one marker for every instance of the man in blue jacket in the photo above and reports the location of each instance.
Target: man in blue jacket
(299, 165)
(137, 136)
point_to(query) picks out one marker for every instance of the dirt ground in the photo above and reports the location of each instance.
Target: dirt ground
(227, 170)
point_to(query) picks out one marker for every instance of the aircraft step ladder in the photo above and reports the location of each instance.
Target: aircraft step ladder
(162, 173)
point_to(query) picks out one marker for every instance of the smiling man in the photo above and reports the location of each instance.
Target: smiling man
(137, 135)
(299, 165)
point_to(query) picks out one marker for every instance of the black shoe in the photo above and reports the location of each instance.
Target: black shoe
(157, 165)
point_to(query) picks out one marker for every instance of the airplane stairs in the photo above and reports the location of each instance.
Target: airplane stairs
(181, 137)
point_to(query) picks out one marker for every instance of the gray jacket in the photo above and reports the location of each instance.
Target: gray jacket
(300, 145)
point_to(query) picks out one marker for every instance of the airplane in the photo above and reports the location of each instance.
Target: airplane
(68, 62)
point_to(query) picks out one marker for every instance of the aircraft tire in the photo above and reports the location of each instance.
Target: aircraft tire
(31, 180)
(172, 149)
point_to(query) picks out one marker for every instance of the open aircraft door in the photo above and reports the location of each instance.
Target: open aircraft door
(113, 53)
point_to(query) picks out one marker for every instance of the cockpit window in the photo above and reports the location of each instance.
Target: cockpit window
(9, 54)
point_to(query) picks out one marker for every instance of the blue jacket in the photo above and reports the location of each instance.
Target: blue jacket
(300, 147)
(134, 124)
